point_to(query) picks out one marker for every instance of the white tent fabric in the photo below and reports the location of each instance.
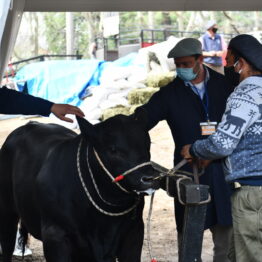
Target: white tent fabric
(10, 23)
(4, 7)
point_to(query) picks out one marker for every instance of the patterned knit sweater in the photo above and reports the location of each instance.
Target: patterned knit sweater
(239, 135)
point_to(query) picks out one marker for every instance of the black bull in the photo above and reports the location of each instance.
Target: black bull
(52, 181)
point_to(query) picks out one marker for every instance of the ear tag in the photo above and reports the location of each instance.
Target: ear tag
(118, 178)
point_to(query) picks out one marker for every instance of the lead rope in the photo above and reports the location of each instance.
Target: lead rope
(148, 229)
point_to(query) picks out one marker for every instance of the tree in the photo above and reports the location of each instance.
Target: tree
(45, 33)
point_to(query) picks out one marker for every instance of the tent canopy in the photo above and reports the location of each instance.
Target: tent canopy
(141, 5)
(11, 12)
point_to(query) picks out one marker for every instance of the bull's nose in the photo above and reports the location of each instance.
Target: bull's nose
(146, 179)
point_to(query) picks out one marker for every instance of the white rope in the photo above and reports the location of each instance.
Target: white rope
(148, 226)
(89, 196)
(136, 167)
(123, 174)
(94, 182)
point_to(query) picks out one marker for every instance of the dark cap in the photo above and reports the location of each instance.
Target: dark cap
(248, 47)
(186, 47)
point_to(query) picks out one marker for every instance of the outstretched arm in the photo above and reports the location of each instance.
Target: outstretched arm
(13, 102)
(61, 110)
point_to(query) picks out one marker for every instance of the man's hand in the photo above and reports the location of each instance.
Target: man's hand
(60, 110)
(219, 53)
(201, 163)
(185, 153)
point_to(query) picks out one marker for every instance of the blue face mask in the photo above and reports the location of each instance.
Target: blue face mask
(186, 74)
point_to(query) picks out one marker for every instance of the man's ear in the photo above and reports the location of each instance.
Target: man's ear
(86, 128)
(201, 59)
(243, 62)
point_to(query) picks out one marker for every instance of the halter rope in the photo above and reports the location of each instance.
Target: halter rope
(89, 196)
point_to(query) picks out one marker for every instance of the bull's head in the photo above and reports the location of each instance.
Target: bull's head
(123, 143)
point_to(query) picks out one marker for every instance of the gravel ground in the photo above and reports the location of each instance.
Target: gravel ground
(163, 233)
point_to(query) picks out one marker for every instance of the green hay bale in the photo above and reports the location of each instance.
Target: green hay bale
(159, 79)
(133, 108)
(107, 113)
(140, 95)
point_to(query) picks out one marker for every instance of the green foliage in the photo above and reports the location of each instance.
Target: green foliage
(52, 28)
(55, 24)
(55, 32)
(81, 33)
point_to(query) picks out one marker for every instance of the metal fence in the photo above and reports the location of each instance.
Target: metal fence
(148, 36)
(12, 68)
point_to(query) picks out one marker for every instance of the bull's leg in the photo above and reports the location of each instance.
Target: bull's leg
(8, 218)
(8, 228)
(57, 247)
(132, 246)
(132, 242)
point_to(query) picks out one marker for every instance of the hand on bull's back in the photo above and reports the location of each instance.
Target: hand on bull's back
(61, 110)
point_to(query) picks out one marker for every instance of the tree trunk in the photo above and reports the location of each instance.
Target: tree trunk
(227, 16)
(256, 22)
(191, 21)
(180, 20)
(151, 23)
(69, 33)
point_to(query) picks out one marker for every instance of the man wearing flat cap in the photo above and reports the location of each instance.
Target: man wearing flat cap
(192, 104)
(214, 47)
(238, 141)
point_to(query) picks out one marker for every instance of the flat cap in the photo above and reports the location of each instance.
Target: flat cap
(248, 47)
(186, 47)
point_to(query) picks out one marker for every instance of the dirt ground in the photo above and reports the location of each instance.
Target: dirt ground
(163, 228)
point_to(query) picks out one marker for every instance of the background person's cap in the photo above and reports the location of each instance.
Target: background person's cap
(210, 24)
(186, 47)
(249, 48)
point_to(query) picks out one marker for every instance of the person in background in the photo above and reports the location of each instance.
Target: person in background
(214, 47)
(192, 104)
(238, 142)
(13, 102)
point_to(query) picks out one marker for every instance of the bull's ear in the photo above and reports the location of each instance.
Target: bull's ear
(141, 116)
(86, 128)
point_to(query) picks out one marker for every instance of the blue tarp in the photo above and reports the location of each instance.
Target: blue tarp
(66, 81)
(60, 81)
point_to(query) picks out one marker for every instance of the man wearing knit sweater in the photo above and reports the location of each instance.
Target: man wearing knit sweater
(238, 140)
